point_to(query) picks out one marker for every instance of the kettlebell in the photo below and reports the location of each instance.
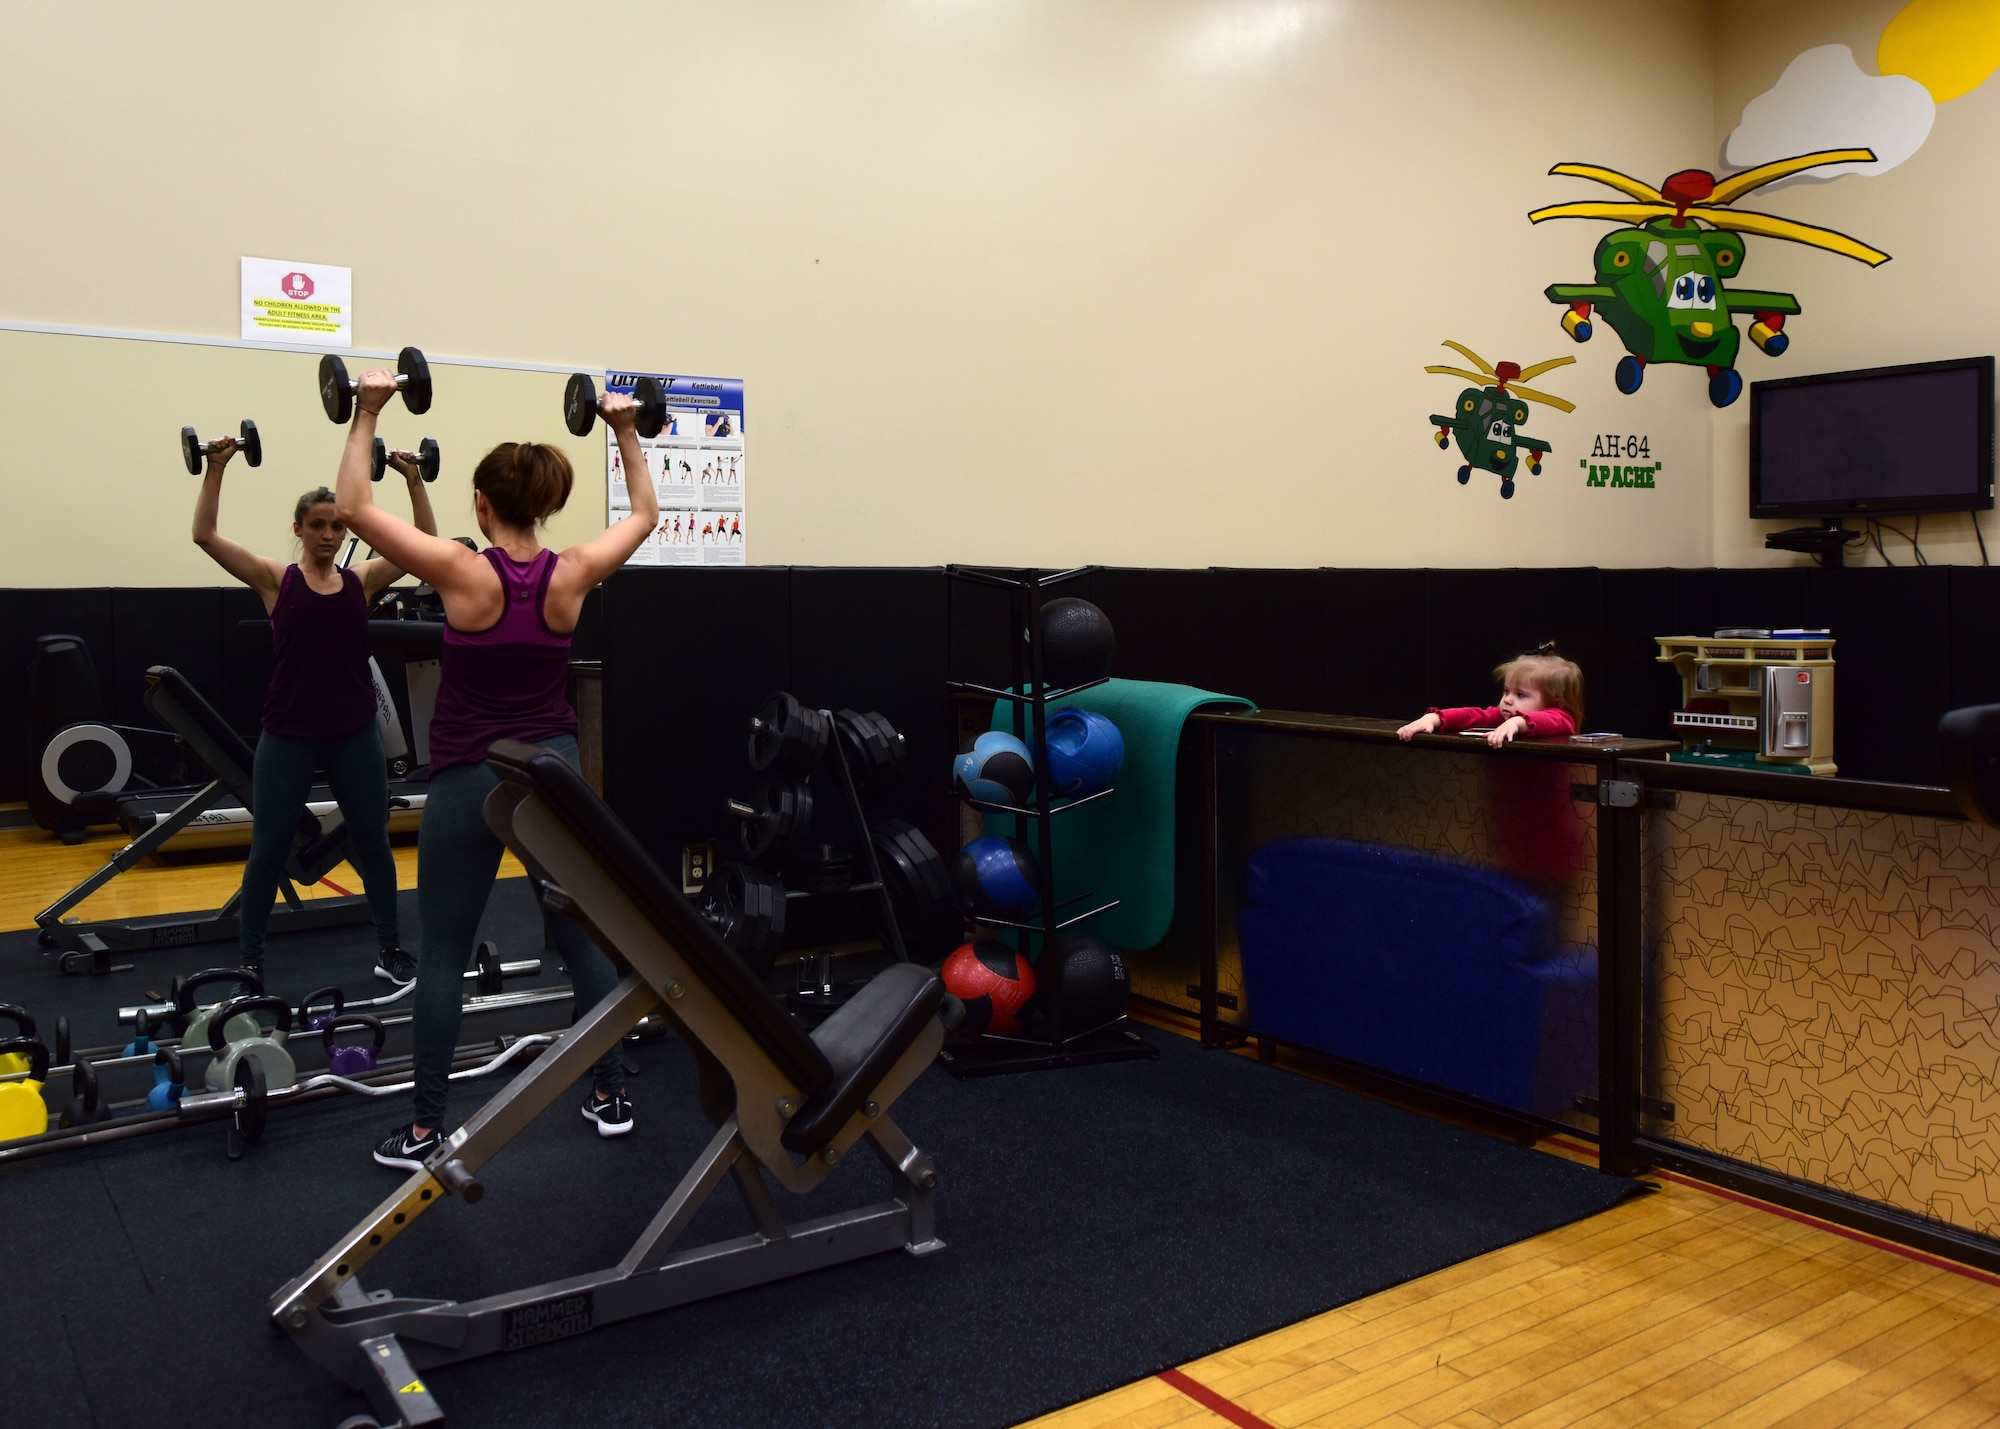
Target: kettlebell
(86, 1106)
(20, 1016)
(310, 1021)
(141, 1044)
(194, 1021)
(353, 1061)
(266, 1049)
(22, 1110)
(169, 1081)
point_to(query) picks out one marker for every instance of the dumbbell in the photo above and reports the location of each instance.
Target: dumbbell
(337, 389)
(580, 405)
(193, 448)
(427, 459)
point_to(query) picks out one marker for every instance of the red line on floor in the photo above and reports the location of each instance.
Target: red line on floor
(1907, 1252)
(1214, 1403)
(336, 888)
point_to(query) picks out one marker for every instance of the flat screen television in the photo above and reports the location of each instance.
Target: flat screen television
(1879, 442)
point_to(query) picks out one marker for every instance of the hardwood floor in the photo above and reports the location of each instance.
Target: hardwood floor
(36, 869)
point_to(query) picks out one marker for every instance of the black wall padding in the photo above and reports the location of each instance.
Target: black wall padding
(689, 653)
(244, 634)
(1771, 599)
(25, 614)
(1625, 688)
(688, 656)
(876, 639)
(1163, 621)
(1892, 632)
(177, 627)
(587, 641)
(1374, 622)
(1975, 635)
(1273, 640)
(1476, 620)
(980, 629)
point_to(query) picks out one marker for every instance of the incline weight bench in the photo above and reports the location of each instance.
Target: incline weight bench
(783, 1103)
(207, 736)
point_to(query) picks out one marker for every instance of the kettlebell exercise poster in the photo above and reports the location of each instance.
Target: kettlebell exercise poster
(696, 465)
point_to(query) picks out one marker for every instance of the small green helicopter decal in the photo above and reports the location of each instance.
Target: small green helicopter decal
(1487, 422)
(1659, 284)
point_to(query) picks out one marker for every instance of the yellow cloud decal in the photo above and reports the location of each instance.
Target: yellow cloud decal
(1947, 46)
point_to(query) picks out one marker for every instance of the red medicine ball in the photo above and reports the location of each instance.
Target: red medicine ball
(994, 982)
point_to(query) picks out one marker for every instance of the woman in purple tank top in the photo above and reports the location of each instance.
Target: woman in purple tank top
(509, 612)
(319, 712)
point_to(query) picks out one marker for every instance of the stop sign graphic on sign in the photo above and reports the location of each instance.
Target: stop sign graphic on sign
(297, 285)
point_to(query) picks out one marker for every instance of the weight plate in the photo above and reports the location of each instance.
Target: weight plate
(486, 962)
(255, 1111)
(410, 363)
(428, 461)
(191, 450)
(651, 400)
(786, 737)
(336, 396)
(378, 460)
(251, 441)
(580, 404)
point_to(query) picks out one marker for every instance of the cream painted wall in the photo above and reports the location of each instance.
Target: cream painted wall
(108, 502)
(1136, 281)
(1935, 214)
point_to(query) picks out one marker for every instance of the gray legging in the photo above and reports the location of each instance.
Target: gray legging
(280, 778)
(458, 858)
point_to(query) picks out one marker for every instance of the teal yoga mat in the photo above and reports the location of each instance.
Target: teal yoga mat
(1123, 847)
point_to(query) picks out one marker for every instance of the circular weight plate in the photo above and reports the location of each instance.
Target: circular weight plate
(69, 738)
(651, 400)
(191, 451)
(428, 462)
(486, 964)
(335, 396)
(410, 363)
(378, 460)
(580, 404)
(256, 1110)
(786, 737)
(252, 442)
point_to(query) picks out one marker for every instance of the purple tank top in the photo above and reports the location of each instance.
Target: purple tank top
(508, 681)
(321, 687)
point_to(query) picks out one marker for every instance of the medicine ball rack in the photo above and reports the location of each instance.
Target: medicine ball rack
(1052, 1044)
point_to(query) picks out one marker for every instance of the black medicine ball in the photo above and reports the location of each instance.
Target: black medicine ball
(1077, 643)
(1086, 977)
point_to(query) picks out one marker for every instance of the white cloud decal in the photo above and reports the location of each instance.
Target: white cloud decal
(1824, 101)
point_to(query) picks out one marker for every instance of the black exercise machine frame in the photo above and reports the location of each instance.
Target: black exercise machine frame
(194, 724)
(1054, 1044)
(1630, 777)
(775, 1114)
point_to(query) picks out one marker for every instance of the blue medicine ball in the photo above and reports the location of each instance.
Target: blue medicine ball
(1086, 751)
(998, 769)
(994, 877)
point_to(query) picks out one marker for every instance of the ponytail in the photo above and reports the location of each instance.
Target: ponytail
(525, 482)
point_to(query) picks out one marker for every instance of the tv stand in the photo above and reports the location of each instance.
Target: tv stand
(1829, 541)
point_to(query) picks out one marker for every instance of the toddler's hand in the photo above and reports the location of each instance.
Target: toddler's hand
(1506, 730)
(1423, 724)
